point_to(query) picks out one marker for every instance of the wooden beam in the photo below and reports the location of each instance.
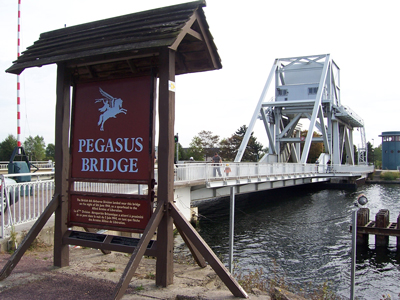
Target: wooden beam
(195, 34)
(90, 72)
(165, 192)
(139, 252)
(207, 253)
(61, 250)
(207, 41)
(132, 66)
(196, 254)
(185, 30)
(109, 243)
(30, 237)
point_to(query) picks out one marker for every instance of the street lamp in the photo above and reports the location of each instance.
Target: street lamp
(361, 200)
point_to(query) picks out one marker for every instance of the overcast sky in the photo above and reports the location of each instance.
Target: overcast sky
(361, 36)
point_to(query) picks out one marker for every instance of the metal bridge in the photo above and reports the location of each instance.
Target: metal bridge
(201, 181)
(306, 88)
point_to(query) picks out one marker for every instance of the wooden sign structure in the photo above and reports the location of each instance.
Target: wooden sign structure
(101, 60)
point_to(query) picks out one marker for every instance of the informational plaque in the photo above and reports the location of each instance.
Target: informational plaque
(115, 212)
(112, 143)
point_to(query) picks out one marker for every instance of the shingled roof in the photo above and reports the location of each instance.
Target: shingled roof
(128, 44)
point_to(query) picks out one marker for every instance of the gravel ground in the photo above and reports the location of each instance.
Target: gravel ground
(93, 275)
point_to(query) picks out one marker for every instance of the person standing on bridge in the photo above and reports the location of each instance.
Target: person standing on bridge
(216, 163)
(328, 168)
(227, 170)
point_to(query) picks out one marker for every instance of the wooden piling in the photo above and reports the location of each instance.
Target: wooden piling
(398, 237)
(362, 220)
(382, 221)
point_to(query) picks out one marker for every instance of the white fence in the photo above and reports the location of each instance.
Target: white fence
(48, 164)
(25, 201)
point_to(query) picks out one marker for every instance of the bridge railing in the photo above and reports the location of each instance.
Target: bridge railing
(352, 169)
(189, 172)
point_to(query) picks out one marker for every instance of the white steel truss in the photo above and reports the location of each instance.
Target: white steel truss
(306, 87)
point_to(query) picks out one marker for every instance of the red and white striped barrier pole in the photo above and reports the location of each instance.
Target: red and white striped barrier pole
(18, 84)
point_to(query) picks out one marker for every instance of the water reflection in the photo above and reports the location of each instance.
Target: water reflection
(303, 235)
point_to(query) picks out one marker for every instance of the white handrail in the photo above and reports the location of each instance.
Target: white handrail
(188, 172)
(47, 164)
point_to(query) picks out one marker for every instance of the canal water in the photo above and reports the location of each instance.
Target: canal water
(302, 235)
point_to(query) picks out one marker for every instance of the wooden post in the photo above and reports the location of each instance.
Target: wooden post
(382, 221)
(362, 220)
(61, 251)
(165, 193)
(398, 237)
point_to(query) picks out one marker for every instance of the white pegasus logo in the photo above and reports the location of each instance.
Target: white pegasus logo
(112, 107)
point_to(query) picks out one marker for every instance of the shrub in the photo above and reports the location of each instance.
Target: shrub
(390, 175)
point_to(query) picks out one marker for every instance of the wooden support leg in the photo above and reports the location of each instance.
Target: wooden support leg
(30, 237)
(63, 104)
(138, 253)
(207, 253)
(196, 254)
(165, 192)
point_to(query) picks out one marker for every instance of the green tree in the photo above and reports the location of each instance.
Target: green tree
(182, 154)
(35, 148)
(370, 153)
(209, 142)
(196, 149)
(7, 147)
(377, 157)
(230, 146)
(355, 155)
(316, 148)
(51, 152)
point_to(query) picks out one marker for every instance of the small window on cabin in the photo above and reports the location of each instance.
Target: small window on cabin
(391, 151)
(283, 92)
(312, 90)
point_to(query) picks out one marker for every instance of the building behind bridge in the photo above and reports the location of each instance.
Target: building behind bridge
(391, 150)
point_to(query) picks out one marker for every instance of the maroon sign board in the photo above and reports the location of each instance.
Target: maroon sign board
(112, 143)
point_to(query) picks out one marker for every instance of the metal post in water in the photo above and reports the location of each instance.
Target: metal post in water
(361, 200)
(231, 227)
(353, 252)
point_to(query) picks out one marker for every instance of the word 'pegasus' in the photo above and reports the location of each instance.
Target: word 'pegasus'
(112, 107)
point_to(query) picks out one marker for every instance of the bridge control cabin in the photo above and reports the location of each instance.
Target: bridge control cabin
(307, 91)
